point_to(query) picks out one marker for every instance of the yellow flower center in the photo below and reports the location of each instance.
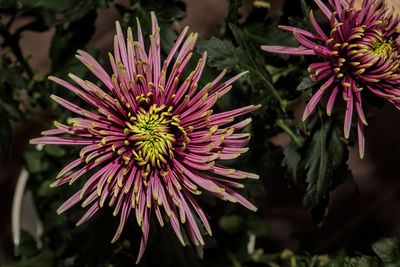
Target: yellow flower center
(382, 48)
(155, 134)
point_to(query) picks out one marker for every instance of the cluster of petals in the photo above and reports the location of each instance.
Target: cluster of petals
(360, 52)
(150, 139)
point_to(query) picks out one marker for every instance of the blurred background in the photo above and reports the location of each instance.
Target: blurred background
(356, 218)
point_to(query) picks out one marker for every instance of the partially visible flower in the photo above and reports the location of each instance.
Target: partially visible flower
(360, 52)
(154, 140)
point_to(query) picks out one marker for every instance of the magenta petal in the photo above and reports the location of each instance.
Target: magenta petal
(287, 50)
(361, 138)
(348, 117)
(312, 103)
(331, 101)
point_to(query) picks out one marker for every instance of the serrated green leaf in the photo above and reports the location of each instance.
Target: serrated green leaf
(291, 161)
(259, 78)
(221, 54)
(325, 161)
(321, 158)
(278, 72)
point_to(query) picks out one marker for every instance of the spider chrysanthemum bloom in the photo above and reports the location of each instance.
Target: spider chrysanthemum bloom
(360, 53)
(152, 140)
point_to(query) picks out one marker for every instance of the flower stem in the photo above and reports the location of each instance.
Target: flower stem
(292, 135)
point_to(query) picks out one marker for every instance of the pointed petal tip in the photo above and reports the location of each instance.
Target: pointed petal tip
(253, 208)
(329, 113)
(305, 116)
(253, 176)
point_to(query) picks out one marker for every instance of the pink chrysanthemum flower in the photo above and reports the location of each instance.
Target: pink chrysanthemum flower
(152, 137)
(360, 52)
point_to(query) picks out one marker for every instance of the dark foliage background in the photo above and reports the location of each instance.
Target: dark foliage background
(303, 171)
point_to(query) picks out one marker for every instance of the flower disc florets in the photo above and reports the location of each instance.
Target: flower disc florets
(361, 51)
(152, 137)
(155, 134)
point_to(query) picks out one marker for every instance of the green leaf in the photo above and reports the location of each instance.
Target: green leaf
(259, 78)
(321, 158)
(233, 13)
(278, 72)
(33, 160)
(305, 84)
(291, 161)
(325, 161)
(221, 54)
(55, 5)
(387, 250)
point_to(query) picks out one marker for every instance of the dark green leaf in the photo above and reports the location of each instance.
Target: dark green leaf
(56, 5)
(233, 13)
(278, 72)
(321, 158)
(325, 161)
(305, 84)
(292, 160)
(221, 54)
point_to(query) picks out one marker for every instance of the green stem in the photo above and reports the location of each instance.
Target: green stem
(274, 91)
(292, 135)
